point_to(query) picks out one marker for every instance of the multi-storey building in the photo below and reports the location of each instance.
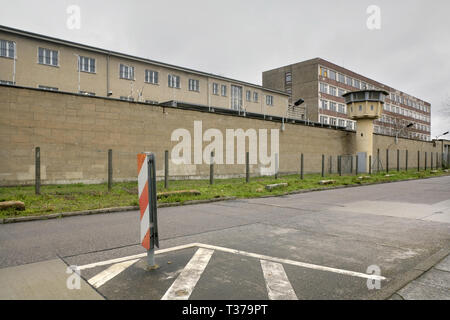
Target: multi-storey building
(321, 85)
(32, 60)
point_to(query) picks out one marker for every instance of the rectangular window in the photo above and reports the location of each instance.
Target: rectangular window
(10, 83)
(7, 49)
(174, 81)
(333, 121)
(333, 106)
(288, 77)
(248, 95)
(255, 97)
(126, 72)
(341, 92)
(324, 104)
(86, 64)
(194, 85)
(269, 100)
(323, 88)
(363, 85)
(333, 91)
(151, 76)
(341, 108)
(323, 120)
(48, 88)
(341, 78)
(215, 89)
(223, 91)
(48, 57)
(341, 123)
(349, 81)
(323, 72)
(332, 75)
(357, 84)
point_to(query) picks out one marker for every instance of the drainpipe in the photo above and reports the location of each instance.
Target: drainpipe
(108, 89)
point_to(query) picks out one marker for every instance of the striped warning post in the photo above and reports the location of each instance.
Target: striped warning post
(144, 204)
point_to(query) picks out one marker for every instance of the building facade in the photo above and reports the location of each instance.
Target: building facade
(37, 61)
(321, 84)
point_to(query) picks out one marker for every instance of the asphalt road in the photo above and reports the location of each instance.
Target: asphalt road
(396, 227)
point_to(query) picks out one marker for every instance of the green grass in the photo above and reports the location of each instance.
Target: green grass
(79, 197)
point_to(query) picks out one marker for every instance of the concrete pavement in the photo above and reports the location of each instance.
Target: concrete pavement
(402, 228)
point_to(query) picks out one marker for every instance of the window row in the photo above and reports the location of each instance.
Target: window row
(340, 77)
(333, 91)
(351, 125)
(333, 106)
(406, 112)
(409, 102)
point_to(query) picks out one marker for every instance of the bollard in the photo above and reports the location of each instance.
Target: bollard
(247, 167)
(301, 167)
(37, 186)
(166, 169)
(323, 166)
(398, 160)
(211, 169)
(110, 170)
(148, 206)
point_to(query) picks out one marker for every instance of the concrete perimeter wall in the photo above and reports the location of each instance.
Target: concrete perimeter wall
(75, 132)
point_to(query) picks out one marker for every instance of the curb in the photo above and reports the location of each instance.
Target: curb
(106, 210)
(192, 202)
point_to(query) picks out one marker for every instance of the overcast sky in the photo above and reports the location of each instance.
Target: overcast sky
(242, 38)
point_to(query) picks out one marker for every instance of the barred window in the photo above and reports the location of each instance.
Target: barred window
(48, 57)
(126, 72)
(151, 77)
(87, 64)
(174, 81)
(323, 88)
(7, 49)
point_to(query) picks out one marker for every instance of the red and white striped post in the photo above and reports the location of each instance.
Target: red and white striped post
(147, 203)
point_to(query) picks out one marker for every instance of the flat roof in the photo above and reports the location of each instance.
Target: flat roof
(127, 56)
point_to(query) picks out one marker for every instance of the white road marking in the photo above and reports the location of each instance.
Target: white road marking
(294, 263)
(243, 253)
(137, 256)
(183, 286)
(106, 275)
(277, 282)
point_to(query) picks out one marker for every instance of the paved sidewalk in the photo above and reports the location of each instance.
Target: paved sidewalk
(42, 281)
(432, 285)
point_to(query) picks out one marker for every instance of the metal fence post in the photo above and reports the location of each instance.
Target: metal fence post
(110, 170)
(406, 160)
(356, 165)
(38, 171)
(166, 169)
(340, 165)
(418, 160)
(331, 164)
(378, 160)
(398, 160)
(301, 167)
(211, 170)
(247, 167)
(426, 160)
(370, 165)
(387, 160)
(431, 162)
(351, 164)
(277, 164)
(323, 166)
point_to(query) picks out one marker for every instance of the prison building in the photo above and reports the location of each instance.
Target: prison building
(321, 84)
(37, 61)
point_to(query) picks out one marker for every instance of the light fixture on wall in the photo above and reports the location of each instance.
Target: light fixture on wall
(398, 133)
